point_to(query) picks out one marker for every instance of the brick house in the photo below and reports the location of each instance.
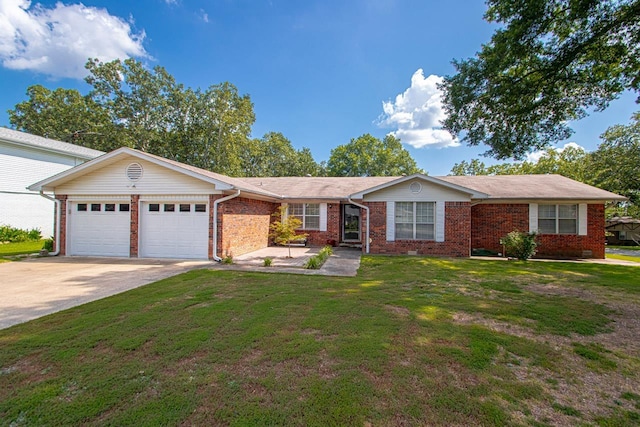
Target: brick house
(128, 203)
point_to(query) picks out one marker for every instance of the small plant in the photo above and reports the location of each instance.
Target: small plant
(227, 260)
(48, 245)
(267, 262)
(316, 261)
(519, 244)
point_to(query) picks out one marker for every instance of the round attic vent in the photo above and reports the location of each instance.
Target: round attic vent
(134, 172)
(415, 187)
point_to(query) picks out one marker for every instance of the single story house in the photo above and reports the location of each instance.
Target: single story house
(623, 230)
(24, 159)
(128, 203)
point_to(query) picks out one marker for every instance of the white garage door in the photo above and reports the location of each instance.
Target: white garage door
(98, 229)
(174, 230)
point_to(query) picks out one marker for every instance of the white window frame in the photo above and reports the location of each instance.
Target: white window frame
(306, 216)
(414, 223)
(557, 218)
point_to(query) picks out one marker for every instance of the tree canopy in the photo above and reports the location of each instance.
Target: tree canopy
(130, 105)
(369, 156)
(549, 62)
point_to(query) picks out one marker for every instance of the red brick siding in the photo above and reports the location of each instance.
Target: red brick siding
(491, 222)
(457, 233)
(334, 228)
(243, 226)
(133, 235)
(63, 223)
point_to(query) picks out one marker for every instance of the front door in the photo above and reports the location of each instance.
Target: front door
(350, 223)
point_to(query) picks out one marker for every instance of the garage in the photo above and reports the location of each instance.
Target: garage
(98, 228)
(174, 229)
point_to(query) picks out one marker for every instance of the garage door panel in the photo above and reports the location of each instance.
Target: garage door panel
(174, 234)
(97, 233)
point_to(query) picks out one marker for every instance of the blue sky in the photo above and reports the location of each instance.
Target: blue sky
(319, 71)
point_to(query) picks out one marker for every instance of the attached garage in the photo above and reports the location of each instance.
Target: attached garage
(174, 229)
(98, 228)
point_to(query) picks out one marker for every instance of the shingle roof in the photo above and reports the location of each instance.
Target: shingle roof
(317, 187)
(531, 187)
(27, 139)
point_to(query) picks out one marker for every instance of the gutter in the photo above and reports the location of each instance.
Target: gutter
(56, 232)
(366, 208)
(215, 223)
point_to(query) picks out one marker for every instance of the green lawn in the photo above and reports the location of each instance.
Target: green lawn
(624, 257)
(410, 341)
(21, 248)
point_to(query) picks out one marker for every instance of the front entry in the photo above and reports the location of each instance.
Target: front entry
(350, 223)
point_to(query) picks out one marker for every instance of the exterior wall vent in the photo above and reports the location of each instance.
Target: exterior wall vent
(415, 187)
(134, 172)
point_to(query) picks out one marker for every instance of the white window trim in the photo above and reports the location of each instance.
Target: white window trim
(435, 220)
(322, 216)
(581, 219)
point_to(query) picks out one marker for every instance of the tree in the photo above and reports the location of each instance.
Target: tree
(274, 155)
(368, 156)
(284, 228)
(615, 165)
(547, 64)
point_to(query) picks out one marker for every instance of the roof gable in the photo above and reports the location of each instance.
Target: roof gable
(424, 178)
(24, 139)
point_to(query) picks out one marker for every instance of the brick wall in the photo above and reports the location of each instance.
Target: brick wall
(243, 225)
(491, 222)
(334, 228)
(133, 235)
(63, 223)
(457, 233)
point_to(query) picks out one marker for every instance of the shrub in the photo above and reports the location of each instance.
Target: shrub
(15, 235)
(316, 261)
(267, 262)
(519, 244)
(227, 260)
(48, 245)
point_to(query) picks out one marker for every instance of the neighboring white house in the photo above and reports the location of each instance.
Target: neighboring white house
(25, 159)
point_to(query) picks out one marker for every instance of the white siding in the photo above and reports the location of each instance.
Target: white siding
(582, 219)
(19, 168)
(429, 193)
(533, 217)
(440, 213)
(112, 179)
(391, 221)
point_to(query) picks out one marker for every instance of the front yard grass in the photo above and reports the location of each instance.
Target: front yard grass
(20, 248)
(410, 341)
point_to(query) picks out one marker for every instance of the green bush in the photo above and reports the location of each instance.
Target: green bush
(48, 245)
(316, 261)
(520, 245)
(227, 260)
(16, 235)
(267, 262)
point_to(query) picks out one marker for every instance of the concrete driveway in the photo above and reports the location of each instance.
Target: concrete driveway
(36, 287)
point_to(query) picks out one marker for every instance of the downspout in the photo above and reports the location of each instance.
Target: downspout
(366, 208)
(215, 223)
(56, 231)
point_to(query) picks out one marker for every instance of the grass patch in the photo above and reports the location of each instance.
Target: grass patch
(20, 248)
(383, 348)
(628, 248)
(624, 257)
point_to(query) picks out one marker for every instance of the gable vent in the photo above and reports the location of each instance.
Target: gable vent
(134, 172)
(415, 187)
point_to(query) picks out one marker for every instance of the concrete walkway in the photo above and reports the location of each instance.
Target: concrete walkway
(343, 262)
(35, 287)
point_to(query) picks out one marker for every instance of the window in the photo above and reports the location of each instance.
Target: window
(110, 207)
(415, 220)
(185, 208)
(169, 208)
(82, 207)
(95, 207)
(124, 207)
(201, 208)
(154, 207)
(558, 219)
(622, 235)
(308, 213)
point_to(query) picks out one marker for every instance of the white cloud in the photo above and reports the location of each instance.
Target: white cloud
(58, 41)
(535, 156)
(204, 15)
(417, 114)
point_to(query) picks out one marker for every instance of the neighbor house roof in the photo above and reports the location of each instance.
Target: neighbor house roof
(532, 187)
(28, 140)
(622, 220)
